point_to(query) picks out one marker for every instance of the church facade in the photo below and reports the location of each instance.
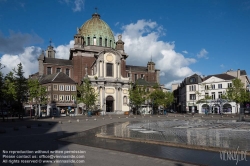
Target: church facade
(99, 57)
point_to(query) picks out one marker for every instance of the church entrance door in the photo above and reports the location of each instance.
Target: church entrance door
(109, 104)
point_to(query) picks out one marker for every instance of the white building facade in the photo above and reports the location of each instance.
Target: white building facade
(191, 94)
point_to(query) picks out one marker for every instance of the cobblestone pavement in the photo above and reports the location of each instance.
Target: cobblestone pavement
(44, 134)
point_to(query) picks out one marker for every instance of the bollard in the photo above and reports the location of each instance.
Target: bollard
(95, 119)
(69, 121)
(53, 117)
(86, 119)
(77, 120)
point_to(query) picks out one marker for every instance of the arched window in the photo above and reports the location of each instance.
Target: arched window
(100, 41)
(88, 42)
(106, 43)
(125, 100)
(95, 41)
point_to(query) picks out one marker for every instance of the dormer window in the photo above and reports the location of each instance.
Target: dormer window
(192, 80)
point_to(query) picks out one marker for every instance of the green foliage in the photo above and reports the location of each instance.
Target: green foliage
(137, 95)
(21, 87)
(37, 92)
(1, 85)
(237, 92)
(86, 94)
(160, 98)
(9, 91)
(169, 98)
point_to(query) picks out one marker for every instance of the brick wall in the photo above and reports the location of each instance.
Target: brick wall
(80, 64)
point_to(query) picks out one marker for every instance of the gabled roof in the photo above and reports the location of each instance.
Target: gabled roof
(136, 68)
(56, 78)
(58, 61)
(221, 76)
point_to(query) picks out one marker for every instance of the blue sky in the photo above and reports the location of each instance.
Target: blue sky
(183, 36)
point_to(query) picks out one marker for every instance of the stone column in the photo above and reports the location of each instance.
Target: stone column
(103, 99)
(98, 68)
(116, 98)
(103, 68)
(116, 69)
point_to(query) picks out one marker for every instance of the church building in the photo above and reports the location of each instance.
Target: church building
(99, 57)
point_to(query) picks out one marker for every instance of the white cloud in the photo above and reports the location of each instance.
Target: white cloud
(142, 40)
(222, 66)
(79, 4)
(185, 52)
(62, 51)
(202, 54)
(28, 59)
(162, 74)
(29, 56)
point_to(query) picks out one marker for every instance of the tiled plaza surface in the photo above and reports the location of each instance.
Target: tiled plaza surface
(45, 134)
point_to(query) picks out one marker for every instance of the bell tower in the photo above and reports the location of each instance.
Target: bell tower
(151, 66)
(79, 40)
(50, 52)
(120, 44)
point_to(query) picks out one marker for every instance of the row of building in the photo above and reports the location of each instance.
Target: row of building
(190, 95)
(99, 57)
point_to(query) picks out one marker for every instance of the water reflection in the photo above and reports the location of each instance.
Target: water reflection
(211, 133)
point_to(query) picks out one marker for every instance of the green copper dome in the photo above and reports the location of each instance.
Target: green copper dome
(97, 32)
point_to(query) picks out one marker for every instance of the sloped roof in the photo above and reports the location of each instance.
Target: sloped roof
(58, 61)
(143, 82)
(136, 68)
(221, 76)
(57, 78)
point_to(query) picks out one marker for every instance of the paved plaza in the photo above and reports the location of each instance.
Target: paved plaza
(78, 134)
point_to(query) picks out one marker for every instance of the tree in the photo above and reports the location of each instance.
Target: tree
(1, 90)
(237, 93)
(9, 88)
(137, 96)
(160, 98)
(169, 98)
(37, 92)
(21, 87)
(86, 94)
